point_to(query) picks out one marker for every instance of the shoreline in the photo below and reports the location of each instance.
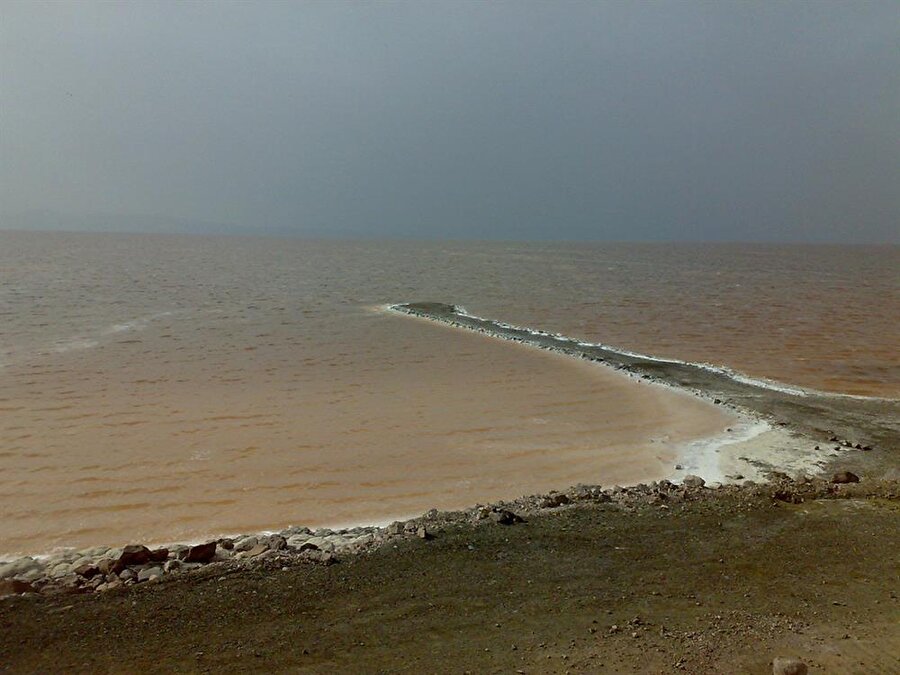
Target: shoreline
(736, 456)
(679, 453)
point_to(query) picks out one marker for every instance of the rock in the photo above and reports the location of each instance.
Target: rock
(127, 575)
(149, 573)
(201, 553)
(552, 501)
(172, 565)
(788, 666)
(845, 477)
(277, 542)
(15, 587)
(61, 570)
(692, 481)
(394, 528)
(226, 543)
(307, 546)
(297, 540)
(679, 467)
(159, 555)
(504, 517)
(245, 543)
(320, 557)
(105, 565)
(423, 533)
(87, 571)
(257, 550)
(17, 567)
(133, 554)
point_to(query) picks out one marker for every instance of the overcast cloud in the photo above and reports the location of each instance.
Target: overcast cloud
(625, 121)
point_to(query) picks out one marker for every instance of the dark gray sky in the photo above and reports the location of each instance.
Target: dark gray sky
(626, 121)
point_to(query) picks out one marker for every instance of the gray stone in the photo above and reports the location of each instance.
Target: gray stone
(788, 666)
(149, 573)
(17, 567)
(297, 540)
(256, 551)
(245, 543)
(692, 481)
(60, 570)
(127, 575)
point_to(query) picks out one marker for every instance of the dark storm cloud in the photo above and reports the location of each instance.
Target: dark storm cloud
(627, 121)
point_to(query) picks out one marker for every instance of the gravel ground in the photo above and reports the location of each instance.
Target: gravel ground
(721, 584)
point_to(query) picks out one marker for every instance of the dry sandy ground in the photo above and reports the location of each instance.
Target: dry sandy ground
(719, 585)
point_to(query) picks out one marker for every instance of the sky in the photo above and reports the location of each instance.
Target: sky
(623, 121)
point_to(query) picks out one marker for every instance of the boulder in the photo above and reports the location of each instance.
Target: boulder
(845, 477)
(133, 554)
(245, 543)
(201, 553)
(159, 555)
(127, 575)
(692, 481)
(394, 528)
(61, 570)
(788, 666)
(88, 571)
(423, 533)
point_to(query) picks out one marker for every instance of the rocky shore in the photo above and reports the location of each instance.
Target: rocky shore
(102, 569)
(864, 423)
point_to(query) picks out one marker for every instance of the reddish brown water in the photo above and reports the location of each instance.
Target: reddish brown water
(163, 388)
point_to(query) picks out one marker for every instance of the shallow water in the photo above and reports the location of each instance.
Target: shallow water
(164, 387)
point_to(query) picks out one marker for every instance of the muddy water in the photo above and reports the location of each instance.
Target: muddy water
(165, 388)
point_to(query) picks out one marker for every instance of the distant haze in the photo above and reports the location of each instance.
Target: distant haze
(759, 121)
